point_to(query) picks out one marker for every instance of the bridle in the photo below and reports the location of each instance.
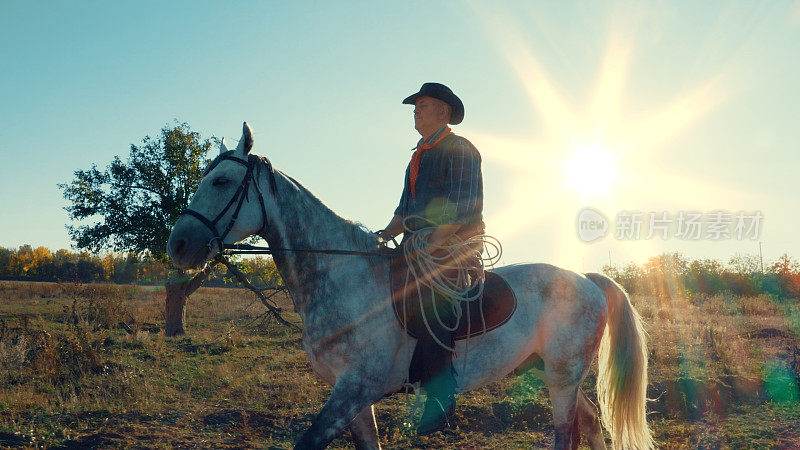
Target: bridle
(238, 198)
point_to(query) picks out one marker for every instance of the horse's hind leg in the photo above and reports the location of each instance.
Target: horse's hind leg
(565, 406)
(589, 422)
(364, 430)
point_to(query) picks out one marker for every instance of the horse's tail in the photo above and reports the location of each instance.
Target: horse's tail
(622, 370)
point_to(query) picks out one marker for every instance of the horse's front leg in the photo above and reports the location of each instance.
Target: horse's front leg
(352, 393)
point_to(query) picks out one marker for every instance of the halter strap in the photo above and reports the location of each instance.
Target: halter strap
(240, 195)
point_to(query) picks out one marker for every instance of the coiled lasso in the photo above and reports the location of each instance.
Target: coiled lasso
(446, 272)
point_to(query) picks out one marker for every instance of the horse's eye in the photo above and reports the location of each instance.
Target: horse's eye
(219, 182)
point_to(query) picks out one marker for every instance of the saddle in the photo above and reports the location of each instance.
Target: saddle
(482, 315)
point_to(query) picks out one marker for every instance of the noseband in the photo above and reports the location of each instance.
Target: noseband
(238, 198)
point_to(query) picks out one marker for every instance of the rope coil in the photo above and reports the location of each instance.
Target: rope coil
(447, 269)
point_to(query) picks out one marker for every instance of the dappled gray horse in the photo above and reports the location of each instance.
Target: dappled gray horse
(355, 343)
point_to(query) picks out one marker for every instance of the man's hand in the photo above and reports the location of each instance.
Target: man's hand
(394, 228)
(383, 237)
(441, 234)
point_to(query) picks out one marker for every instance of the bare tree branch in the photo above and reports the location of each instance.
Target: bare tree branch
(273, 309)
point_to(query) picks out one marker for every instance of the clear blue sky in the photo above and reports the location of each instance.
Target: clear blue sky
(704, 115)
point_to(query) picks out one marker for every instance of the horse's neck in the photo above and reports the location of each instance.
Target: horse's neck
(304, 222)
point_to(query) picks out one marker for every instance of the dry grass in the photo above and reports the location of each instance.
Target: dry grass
(87, 366)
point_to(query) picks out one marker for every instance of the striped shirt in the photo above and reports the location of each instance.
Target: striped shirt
(449, 187)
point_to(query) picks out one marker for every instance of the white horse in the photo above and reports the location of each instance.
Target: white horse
(563, 319)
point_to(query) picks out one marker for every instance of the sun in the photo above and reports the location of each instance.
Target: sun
(590, 171)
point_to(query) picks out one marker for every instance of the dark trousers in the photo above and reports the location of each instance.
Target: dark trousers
(431, 359)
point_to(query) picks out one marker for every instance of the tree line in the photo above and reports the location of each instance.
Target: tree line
(41, 264)
(671, 274)
(665, 275)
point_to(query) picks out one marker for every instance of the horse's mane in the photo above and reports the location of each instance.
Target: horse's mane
(356, 233)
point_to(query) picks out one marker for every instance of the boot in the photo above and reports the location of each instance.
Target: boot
(441, 403)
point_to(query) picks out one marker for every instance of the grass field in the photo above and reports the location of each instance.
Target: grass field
(88, 366)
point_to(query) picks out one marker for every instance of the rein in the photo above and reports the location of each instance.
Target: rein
(246, 249)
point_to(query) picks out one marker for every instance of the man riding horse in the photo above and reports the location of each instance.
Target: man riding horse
(443, 189)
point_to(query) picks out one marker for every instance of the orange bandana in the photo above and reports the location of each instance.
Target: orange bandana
(413, 171)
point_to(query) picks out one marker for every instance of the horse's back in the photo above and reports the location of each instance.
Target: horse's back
(548, 283)
(558, 312)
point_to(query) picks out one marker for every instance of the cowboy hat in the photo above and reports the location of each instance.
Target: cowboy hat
(443, 93)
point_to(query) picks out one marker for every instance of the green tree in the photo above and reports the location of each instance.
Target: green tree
(5, 261)
(705, 277)
(787, 269)
(132, 205)
(744, 264)
(663, 273)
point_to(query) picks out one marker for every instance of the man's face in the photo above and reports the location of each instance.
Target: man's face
(429, 114)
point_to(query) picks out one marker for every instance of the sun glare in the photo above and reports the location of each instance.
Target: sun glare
(590, 170)
(555, 173)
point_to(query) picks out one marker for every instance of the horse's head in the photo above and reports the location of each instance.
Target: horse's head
(230, 204)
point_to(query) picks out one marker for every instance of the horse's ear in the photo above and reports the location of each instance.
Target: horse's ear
(222, 147)
(246, 142)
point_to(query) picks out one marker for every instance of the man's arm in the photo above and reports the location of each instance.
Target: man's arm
(394, 228)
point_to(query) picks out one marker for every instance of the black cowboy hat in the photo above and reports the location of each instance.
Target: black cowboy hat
(443, 93)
